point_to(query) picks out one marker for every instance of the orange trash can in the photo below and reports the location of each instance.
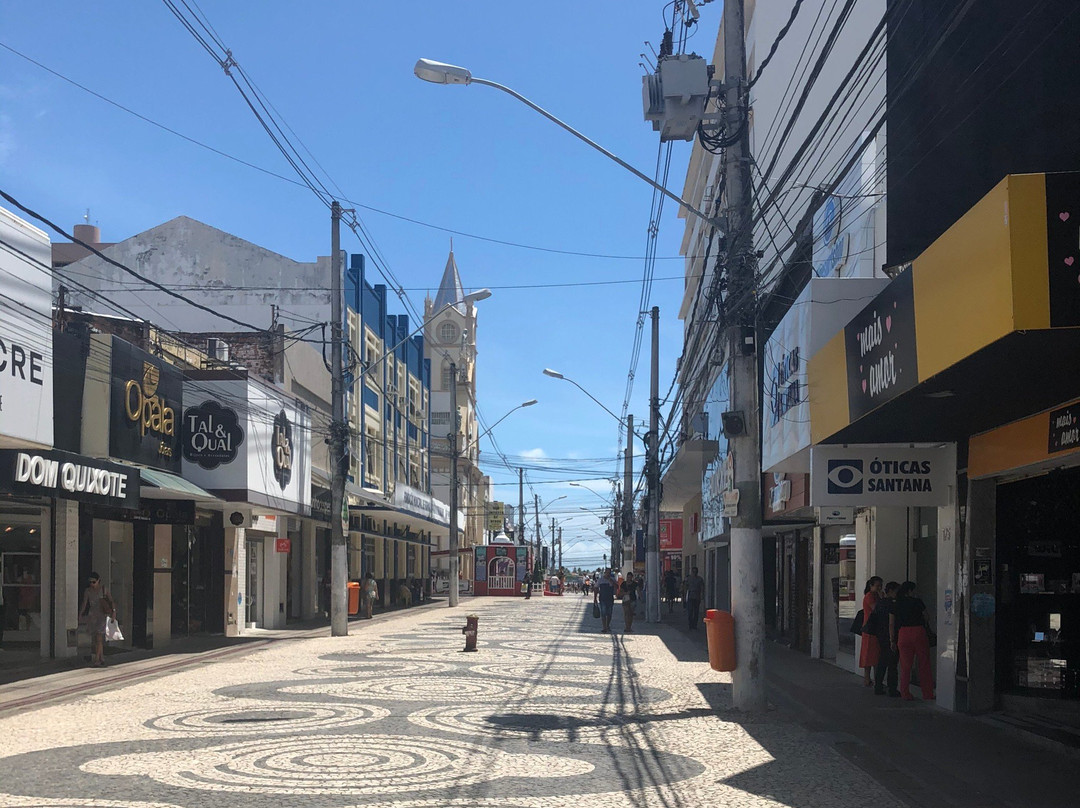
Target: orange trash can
(720, 632)
(354, 597)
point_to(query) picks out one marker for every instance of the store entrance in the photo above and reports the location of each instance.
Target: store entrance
(1038, 615)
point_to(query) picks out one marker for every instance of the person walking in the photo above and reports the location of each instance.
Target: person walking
(527, 583)
(695, 588)
(868, 653)
(604, 597)
(671, 589)
(371, 594)
(879, 624)
(629, 601)
(910, 640)
(97, 607)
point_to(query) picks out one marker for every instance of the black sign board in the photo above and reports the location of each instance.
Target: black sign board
(879, 344)
(146, 404)
(29, 472)
(211, 434)
(281, 447)
(1063, 248)
(153, 512)
(1064, 429)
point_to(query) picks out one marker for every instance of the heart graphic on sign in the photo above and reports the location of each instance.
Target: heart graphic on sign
(888, 323)
(864, 385)
(1064, 216)
(1069, 261)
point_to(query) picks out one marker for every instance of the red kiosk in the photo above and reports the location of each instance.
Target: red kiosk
(500, 567)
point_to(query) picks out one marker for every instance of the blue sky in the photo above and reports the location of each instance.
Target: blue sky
(468, 159)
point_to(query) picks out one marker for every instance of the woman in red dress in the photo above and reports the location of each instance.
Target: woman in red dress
(868, 655)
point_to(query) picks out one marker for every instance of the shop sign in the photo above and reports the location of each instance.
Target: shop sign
(671, 534)
(151, 512)
(731, 503)
(282, 545)
(1063, 253)
(879, 345)
(496, 514)
(420, 504)
(282, 449)
(1065, 429)
(146, 400)
(211, 434)
(479, 564)
(881, 475)
(836, 516)
(68, 476)
(26, 334)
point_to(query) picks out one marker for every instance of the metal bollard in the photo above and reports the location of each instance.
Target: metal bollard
(471, 621)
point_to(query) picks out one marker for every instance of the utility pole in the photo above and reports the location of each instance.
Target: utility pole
(628, 491)
(556, 569)
(652, 542)
(536, 521)
(339, 558)
(560, 549)
(747, 576)
(453, 544)
(521, 507)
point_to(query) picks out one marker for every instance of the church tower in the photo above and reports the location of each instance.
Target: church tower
(450, 339)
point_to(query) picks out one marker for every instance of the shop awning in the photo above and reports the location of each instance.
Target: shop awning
(980, 330)
(682, 480)
(162, 485)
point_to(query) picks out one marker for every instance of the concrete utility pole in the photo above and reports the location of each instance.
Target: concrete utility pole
(628, 490)
(747, 576)
(560, 548)
(536, 521)
(453, 544)
(521, 507)
(556, 569)
(652, 543)
(339, 558)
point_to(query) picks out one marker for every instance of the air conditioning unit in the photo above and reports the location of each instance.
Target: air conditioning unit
(238, 517)
(217, 348)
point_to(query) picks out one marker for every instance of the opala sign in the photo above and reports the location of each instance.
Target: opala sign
(881, 475)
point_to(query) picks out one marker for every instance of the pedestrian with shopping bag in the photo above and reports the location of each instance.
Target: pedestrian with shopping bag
(96, 611)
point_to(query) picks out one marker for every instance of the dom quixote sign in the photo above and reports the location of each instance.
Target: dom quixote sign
(68, 476)
(144, 414)
(882, 475)
(212, 435)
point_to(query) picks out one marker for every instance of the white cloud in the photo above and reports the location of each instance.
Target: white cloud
(534, 454)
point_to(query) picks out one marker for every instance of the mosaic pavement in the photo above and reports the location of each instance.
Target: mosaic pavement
(548, 712)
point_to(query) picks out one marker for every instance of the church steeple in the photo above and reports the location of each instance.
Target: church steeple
(450, 289)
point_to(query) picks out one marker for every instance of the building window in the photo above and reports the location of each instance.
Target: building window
(448, 332)
(446, 375)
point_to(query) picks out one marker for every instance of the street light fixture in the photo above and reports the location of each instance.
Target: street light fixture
(607, 501)
(441, 73)
(556, 375)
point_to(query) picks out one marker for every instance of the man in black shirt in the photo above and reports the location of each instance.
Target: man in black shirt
(887, 658)
(629, 601)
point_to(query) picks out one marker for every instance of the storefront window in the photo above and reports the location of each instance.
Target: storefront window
(1038, 616)
(20, 568)
(848, 594)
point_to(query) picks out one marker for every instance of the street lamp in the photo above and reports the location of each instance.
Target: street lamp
(440, 73)
(607, 501)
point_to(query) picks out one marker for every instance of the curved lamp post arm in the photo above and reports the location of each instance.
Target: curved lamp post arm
(439, 73)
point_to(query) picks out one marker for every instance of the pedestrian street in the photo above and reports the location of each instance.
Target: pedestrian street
(548, 712)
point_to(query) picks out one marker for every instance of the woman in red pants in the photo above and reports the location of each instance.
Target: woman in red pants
(869, 652)
(907, 626)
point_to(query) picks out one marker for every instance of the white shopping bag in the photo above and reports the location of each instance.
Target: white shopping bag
(112, 630)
